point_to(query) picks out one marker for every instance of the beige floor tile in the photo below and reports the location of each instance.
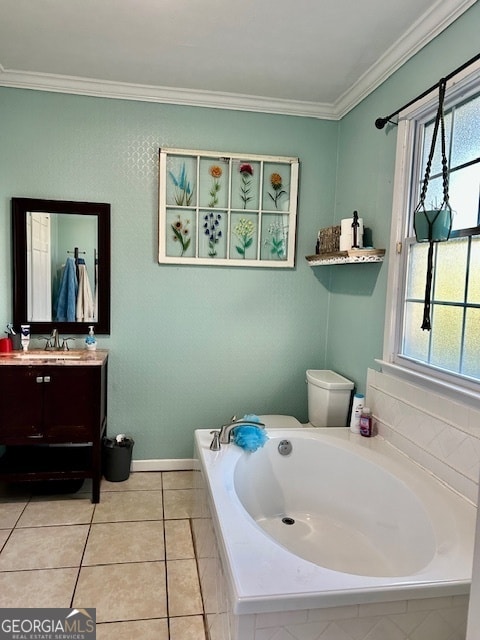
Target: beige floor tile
(183, 588)
(178, 540)
(188, 628)
(10, 511)
(137, 481)
(129, 505)
(178, 503)
(178, 479)
(53, 510)
(114, 542)
(133, 591)
(134, 630)
(4, 533)
(44, 548)
(42, 588)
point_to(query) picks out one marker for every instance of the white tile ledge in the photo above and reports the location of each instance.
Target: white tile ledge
(458, 393)
(426, 462)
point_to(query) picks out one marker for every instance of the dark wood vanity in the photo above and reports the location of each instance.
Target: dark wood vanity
(53, 416)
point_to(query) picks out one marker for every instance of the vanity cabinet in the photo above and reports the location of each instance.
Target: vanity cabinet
(53, 417)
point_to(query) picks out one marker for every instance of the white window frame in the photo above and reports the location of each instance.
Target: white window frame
(459, 88)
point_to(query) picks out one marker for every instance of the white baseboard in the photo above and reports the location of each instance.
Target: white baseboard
(177, 464)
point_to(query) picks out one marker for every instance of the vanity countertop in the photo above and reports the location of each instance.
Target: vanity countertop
(74, 357)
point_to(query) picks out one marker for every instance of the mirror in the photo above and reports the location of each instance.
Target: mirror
(61, 265)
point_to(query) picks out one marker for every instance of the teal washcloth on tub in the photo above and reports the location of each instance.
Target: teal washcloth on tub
(248, 436)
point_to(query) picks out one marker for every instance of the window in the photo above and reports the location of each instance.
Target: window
(451, 350)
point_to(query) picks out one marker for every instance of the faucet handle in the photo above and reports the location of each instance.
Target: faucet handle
(48, 342)
(65, 346)
(215, 444)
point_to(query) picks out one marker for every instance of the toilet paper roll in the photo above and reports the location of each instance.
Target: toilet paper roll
(346, 234)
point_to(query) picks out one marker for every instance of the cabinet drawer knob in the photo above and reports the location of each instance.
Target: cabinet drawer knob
(38, 435)
(46, 379)
(39, 379)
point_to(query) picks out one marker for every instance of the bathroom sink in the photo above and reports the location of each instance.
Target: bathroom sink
(29, 355)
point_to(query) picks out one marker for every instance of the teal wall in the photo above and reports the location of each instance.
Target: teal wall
(366, 159)
(190, 346)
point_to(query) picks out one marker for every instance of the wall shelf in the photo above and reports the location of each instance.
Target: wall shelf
(354, 256)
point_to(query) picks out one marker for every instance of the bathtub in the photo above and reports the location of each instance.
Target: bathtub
(339, 525)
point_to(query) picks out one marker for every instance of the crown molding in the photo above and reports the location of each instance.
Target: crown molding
(423, 31)
(433, 22)
(167, 95)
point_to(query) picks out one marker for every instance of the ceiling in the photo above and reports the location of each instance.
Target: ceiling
(314, 58)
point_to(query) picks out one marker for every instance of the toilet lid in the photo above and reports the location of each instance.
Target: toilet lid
(274, 421)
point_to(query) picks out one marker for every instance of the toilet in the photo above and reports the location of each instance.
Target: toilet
(329, 396)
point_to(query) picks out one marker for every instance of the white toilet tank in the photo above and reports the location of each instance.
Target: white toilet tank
(328, 398)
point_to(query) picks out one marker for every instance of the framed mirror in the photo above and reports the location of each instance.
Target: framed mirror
(61, 265)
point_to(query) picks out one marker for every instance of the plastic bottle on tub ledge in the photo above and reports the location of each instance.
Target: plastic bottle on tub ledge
(357, 406)
(366, 422)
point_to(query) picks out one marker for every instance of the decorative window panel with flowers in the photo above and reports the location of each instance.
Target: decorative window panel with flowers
(227, 209)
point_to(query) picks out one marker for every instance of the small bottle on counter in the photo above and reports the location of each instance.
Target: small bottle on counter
(366, 422)
(357, 406)
(90, 340)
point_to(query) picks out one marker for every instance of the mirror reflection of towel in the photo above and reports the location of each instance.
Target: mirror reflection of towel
(67, 294)
(85, 304)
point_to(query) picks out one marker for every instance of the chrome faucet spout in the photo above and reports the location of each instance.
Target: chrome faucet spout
(226, 430)
(53, 342)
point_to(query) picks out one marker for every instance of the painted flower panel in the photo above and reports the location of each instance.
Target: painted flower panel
(244, 237)
(180, 234)
(213, 235)
(274, 242)
(245, 185)
(214, 182)
(181, 181)
(276, 187)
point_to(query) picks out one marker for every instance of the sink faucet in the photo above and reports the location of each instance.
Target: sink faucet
(226, 430)
(53, 342)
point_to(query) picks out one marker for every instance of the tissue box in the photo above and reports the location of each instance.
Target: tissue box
(330, 239)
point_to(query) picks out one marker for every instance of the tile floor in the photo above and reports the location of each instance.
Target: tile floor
(131, 556)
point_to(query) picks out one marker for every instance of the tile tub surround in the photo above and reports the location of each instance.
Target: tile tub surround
(440, 434)
(131, 556)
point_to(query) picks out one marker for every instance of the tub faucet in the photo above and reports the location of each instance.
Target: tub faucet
(226, 430)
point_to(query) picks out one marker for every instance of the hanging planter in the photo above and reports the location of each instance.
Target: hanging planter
(433, 225)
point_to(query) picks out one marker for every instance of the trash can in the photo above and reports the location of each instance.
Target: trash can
(117, 457)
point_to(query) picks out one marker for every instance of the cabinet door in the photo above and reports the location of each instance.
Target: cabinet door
(71, 403)
(21, 404)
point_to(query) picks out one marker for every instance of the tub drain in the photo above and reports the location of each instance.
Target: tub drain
(288, 520)
(285, 447)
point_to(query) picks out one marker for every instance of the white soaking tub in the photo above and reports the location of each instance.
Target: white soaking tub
(340, 522)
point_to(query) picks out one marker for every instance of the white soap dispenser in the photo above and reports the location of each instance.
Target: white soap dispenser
(90, 340)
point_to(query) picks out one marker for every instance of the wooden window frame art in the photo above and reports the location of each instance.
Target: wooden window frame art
(227, 209)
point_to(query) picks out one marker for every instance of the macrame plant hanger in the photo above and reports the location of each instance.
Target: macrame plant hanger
(438, 223)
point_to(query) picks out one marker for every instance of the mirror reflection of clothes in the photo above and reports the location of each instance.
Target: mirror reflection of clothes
(65, 307)
(85, 309)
